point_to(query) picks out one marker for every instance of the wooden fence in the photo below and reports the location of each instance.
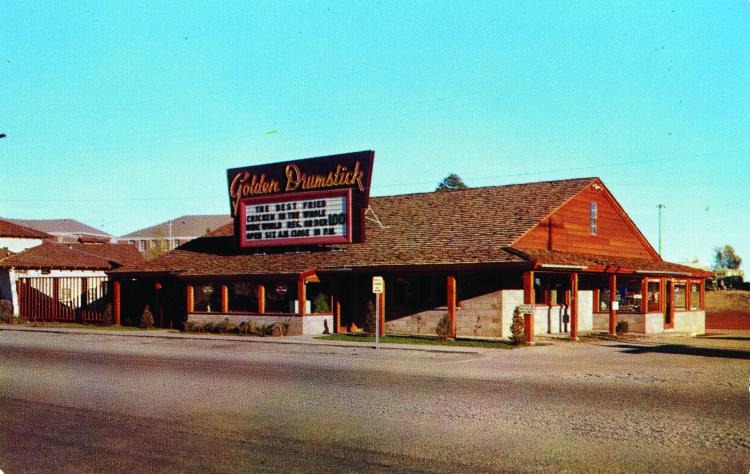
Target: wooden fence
(74, 299)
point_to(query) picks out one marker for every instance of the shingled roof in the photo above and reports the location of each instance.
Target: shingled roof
(100, 256)
(460, 227)
(189, 226)
(61, 227)
(11, 229)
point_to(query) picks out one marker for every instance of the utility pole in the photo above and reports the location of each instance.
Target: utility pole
(660, 207)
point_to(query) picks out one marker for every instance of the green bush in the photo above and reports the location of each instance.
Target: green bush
(320, 304)
(621, 327)
(443, 328)
(517, 328)
(147, 319)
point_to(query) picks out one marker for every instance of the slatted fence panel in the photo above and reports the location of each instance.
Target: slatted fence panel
(66, 299)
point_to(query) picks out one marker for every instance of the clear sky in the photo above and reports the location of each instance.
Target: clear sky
(125, 114)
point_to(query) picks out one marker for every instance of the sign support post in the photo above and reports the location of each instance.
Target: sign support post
(377, 289)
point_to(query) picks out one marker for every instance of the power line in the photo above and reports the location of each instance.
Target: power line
(415, 183)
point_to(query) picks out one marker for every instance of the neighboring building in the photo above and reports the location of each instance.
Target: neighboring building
(16, 238)
(168, 235)
(66, 230)
(565, 252)
(62, 281)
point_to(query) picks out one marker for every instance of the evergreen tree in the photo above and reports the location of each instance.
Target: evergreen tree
(450, 183)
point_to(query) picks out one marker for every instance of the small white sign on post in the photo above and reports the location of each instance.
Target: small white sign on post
(377, 285)
(525, 308)
(377, 288)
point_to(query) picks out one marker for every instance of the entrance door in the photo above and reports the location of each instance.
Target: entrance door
(669, 306)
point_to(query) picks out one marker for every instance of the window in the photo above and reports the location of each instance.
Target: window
(592, 217)
(420, 292)
(629, 295)
(142, 245)
(695, 295)
(207, 297)
(680, 295)
(654, 293)
(604, 300)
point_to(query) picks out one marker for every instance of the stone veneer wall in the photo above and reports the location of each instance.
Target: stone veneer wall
(312, 324)
(478, 316)
(692, 322)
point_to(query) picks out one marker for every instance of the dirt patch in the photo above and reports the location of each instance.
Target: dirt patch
(728, 310)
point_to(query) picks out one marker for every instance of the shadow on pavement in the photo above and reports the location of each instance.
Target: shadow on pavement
(686, 350)
(726, 338)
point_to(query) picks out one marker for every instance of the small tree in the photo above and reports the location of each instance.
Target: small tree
(371, 317)
(725, 257)
(6, 311)
(517, 328)
(320, 304)
(450, 183)
(107, 317)
(443, 328)
(621, 327)
(147, 319)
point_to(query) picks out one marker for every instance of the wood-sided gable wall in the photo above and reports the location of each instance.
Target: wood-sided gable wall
(568, 229)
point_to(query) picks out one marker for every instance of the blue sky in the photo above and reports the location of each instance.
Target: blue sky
(125, 114)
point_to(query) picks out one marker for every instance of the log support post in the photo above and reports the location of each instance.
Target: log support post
(190, 303)
(612, 299)
(261, 298)
(451, 292)
(224, 298)
(301, 295)
(574, 306)
(116, 303)
(528, 298)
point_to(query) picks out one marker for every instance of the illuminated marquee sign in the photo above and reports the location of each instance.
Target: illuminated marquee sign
(304, 202)
(304, 218)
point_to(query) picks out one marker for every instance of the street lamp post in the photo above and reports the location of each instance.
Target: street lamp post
(660, 207)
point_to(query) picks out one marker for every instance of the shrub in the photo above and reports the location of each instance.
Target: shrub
(6, 311)
(222, 326)
(517, 328)
(194, 326)
(279, 329)
(107, 316)
(147, 319)
(247, 328)
(320, 304)
(443, 328)
(621, 327)
(371, 318)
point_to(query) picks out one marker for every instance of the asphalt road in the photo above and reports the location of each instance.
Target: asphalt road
(76, 403)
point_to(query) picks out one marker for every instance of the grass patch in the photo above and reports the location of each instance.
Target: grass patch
(95, 327)
(421, 340)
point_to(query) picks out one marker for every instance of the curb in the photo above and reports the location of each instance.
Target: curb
(252, 339)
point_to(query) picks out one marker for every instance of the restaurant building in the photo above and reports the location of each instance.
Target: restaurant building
(564, 252)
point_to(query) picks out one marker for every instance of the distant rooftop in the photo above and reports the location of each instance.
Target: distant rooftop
(9, 228)
(182, 227)
(60, 227)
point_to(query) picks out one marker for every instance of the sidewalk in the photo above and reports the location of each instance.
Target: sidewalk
(292, 340)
